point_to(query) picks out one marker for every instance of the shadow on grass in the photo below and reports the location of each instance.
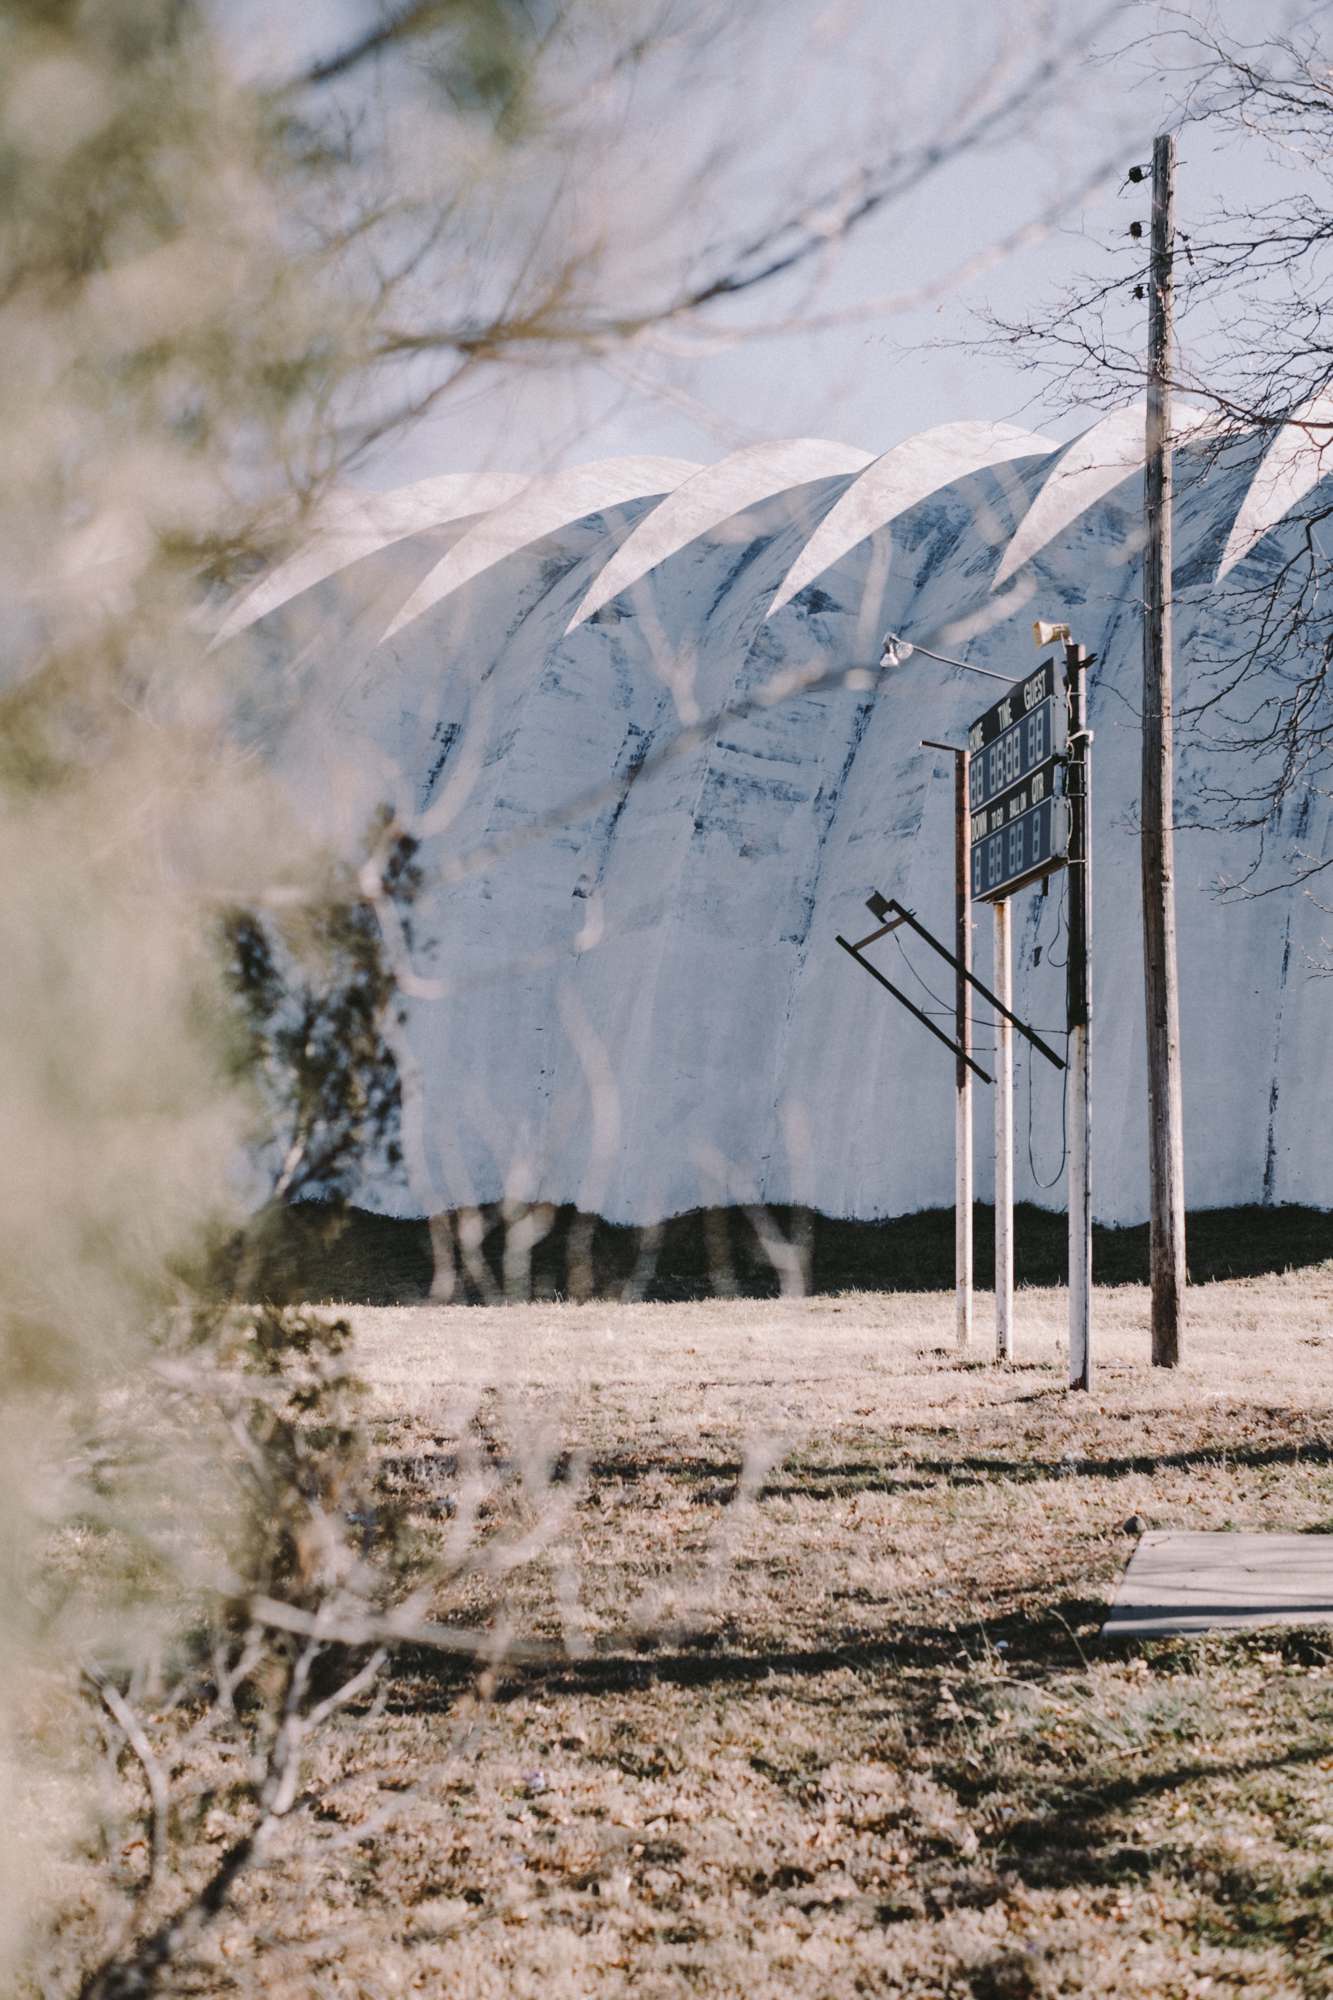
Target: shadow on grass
(1056, 1637)
(717, 1481)
(1083, 1825)
(1268, 1906)
(975, 1469)
(1069, 1837)
(711, 1481)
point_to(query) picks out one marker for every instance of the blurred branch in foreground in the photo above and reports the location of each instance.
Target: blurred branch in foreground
(225, 274)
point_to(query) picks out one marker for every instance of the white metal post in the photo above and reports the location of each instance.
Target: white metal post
(1080, 1213)
(963, 1212)
(1004, 1142)
(963, 1074)
(1079, 985)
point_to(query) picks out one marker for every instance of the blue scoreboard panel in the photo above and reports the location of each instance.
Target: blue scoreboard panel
(1019, 820)
(1029, 845)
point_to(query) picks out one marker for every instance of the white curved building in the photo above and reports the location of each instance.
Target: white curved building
(625, 990)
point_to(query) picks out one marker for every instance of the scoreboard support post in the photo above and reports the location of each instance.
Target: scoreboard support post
(1018, 833)
(889, 915)
(963, 1164)
(1079, 1002)
(1021, 810)
(1004, 1140)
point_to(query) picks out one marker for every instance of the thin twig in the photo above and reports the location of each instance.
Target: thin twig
(116, 1706)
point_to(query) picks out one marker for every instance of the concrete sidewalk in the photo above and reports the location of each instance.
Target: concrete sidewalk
(1219, 1582)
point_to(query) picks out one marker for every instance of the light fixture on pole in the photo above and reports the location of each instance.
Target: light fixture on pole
(898, 651)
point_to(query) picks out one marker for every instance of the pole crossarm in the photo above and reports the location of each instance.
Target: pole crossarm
(883, 930)
(954, 1048)
(905, 917)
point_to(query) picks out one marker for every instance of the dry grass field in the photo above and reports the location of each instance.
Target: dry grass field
(836, 1719)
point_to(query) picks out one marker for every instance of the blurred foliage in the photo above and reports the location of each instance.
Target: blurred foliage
(314, 992)
(185, 297)
(221, 283)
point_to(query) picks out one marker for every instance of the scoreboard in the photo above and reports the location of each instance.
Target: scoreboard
(1026, 847)
(1019, 820)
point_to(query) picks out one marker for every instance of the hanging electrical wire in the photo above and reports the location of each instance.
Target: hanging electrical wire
(1064, 1124)
(1061, 925)
(945, 1006)
(1031, 1163)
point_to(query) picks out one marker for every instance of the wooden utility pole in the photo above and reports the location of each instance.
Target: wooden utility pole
(1166, 1149)
(962, 1072)
(1004, 1141)
(1078, 994)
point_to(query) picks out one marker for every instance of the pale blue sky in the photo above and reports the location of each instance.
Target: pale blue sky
(818, 79)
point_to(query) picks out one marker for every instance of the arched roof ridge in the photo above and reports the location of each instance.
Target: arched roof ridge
(713, 495)
(1293, 464)
(349, 525)
(545, 505)
(897, 480)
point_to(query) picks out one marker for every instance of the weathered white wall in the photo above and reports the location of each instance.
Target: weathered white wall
(642, 1008)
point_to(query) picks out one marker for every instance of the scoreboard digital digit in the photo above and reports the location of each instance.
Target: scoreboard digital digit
(1028, 846)
(1019, 820)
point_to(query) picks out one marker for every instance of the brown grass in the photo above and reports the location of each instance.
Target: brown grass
(842, 1722)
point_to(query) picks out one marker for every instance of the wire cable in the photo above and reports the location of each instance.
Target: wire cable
(945, 1006)
(1061, 924)
(1064, 1125)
